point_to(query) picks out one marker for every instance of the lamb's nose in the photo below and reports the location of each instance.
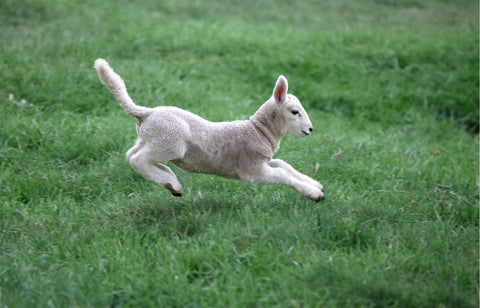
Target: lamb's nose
(310, 129)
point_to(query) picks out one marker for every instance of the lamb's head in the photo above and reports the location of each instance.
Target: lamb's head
(296, 118)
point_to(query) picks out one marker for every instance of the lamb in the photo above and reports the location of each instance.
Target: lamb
(236, 150)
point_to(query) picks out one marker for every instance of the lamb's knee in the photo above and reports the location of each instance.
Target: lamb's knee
(134, 150)
(137, 161)
(278, 163)
(142, 164)
(270, 175)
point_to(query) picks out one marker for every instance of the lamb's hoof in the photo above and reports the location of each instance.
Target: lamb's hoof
(320, 198)
(175, 192)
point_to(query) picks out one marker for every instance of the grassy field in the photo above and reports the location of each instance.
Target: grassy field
(390, 86)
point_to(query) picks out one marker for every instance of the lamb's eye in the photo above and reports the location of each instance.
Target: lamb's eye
(295, 112)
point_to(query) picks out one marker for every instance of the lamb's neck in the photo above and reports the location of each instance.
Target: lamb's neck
(269, 122)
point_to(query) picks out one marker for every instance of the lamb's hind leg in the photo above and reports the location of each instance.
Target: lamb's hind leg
(142, 160)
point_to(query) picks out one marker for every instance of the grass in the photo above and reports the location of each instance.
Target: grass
(390, 86)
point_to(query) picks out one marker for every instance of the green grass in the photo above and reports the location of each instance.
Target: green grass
(390, 86)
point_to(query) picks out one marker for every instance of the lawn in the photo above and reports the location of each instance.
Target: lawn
(391, 88)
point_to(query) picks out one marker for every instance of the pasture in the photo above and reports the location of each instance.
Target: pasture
(391, 88)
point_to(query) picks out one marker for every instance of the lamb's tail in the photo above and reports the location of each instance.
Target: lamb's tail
(116, 85)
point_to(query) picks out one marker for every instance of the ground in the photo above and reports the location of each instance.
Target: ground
(391, 88)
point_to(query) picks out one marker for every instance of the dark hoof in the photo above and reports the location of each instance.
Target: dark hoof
(174, 192)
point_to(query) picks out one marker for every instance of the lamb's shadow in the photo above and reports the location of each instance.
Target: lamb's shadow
(178, 217)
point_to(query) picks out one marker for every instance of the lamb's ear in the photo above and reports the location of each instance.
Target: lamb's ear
(280, 91)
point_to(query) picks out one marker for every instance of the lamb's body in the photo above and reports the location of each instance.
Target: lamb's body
(236, 150)
(202, 146)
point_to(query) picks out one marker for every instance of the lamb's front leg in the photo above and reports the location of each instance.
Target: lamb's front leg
(277, 175)
(278, 163)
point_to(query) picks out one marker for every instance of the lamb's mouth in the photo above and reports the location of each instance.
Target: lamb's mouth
(305, 133)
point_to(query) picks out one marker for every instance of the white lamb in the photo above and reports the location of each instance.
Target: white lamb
(237, 150)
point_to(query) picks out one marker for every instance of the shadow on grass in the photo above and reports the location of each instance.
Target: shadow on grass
(176, 217)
